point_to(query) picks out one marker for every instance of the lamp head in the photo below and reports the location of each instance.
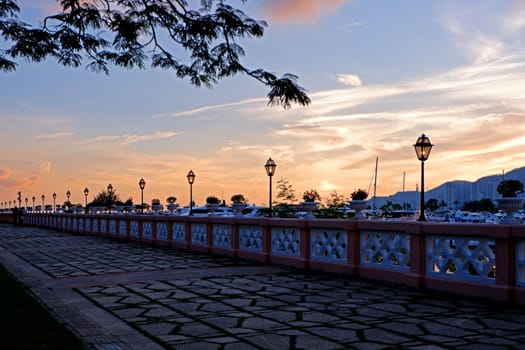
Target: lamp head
(142, 183)
(191, 177)
(270, 167)
(423, 147)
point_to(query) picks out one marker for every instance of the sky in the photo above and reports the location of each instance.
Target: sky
(379, 74)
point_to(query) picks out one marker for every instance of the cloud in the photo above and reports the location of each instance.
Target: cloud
(214, 108)
(349, 79)
(53, 136)
(302, 11)
(46, 167)
(125, 140)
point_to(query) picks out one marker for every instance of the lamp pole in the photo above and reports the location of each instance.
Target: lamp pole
(86, 192)
(423, 148)
(54, 202)
(142, 185)
(68, 194)
(270, 171)
(43, 201)
(34, 198)
(191, 180)
(26, 203)
(110, 192)
(19, 199)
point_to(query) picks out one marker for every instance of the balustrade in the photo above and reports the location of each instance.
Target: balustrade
(474, 259)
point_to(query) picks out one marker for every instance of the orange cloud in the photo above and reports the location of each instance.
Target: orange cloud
(302, 11)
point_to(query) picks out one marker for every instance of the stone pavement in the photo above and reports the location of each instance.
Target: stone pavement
(121, 295)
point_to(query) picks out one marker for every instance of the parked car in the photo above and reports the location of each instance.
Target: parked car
(204, 211)
(254, 211)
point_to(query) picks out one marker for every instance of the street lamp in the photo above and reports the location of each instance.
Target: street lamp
(191, 180)
(43, 199)
(142, 184)
(270, 171)
(68, 194)
(19, 199)
(110, 192)
(423, 148)
(26, 203)
(54, 200)
(34, 198)
(86, 192)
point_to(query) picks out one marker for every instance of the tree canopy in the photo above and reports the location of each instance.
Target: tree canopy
(510, 188)
(199, 44)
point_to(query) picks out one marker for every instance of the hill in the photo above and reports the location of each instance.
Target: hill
(456, 193)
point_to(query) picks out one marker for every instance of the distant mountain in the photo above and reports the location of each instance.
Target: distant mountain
(455, 193)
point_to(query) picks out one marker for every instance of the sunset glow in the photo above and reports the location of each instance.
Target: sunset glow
(379, 74)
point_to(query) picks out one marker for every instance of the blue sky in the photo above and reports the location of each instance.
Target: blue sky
(379, 74)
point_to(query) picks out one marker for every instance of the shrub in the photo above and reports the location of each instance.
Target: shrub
(238, 198)
(510, 188)
(311, 196)
(212, 200)
(171, 199)
(359, 194)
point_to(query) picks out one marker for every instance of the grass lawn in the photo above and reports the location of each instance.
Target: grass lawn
(25, 324)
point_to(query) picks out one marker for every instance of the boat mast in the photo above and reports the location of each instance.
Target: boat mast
(404, 206)
(375, 183)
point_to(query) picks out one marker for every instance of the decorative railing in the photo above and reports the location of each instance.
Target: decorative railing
(389, 250)
(480, 260)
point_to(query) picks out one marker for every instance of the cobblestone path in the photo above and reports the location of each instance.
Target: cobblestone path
(120, 295)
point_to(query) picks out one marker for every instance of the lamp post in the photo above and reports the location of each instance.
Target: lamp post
(26, 203)
(54, 201)
(423, 148)
(19, 199)
(68, 194)
(191, 180)
(86, 192)
(142, 185)
(34, 198)
(110, 192)
(43, 199)
(270, 171)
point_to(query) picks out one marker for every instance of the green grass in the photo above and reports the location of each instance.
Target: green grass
(25, 324)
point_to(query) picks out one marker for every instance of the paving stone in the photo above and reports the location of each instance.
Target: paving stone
(313, 342)
(383, 336)
(187, 300)
(260, 324)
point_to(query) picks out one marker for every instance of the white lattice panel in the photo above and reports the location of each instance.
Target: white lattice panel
(178, 231)
(222, 235)
(103, 226)
(463, 258)
(198, 234)
(329, 245)
(250, 237)
(122, 228)
(286, 241)
(95, 225)
(162, 230)
(520, 262)
(134, 228)
(390, 250)
(146, 230)
(112, 227)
